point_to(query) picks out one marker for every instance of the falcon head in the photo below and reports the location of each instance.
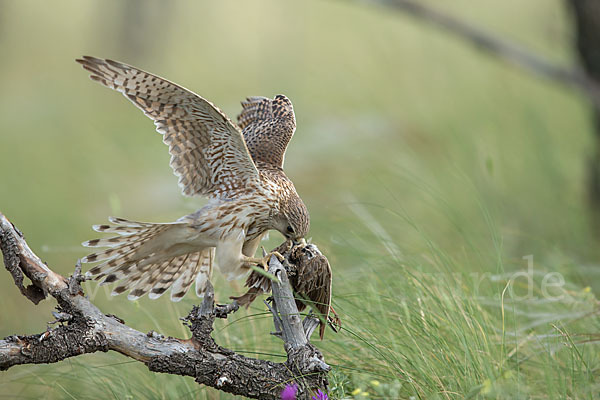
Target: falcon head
(293, 221)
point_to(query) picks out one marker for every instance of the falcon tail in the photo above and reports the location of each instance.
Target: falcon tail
(131, 261)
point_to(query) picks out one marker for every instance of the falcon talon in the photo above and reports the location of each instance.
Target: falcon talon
(300, 243)
(278, 255)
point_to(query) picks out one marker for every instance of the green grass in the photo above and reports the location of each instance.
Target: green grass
(432, 173)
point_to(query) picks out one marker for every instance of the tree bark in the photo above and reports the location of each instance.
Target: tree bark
(83, 328)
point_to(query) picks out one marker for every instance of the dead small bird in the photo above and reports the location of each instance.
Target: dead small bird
(310, 275)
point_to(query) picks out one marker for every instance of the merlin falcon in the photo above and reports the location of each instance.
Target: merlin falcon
(238, 167)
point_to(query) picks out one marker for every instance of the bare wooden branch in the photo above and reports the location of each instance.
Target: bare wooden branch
(291, 324)
(83, 328)
(504, 50)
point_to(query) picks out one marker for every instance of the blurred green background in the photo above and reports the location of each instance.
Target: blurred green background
(430, 171)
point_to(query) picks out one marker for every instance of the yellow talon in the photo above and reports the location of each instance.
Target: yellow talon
(264, 261)
(278, 255)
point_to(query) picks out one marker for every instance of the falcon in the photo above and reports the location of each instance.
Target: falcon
(238, 167)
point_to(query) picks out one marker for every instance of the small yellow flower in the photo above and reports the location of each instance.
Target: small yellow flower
(356, 391)
(508, 374)
(375, 382)
(587, 289)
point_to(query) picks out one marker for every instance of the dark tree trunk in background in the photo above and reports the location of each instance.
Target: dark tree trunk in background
(587, 28)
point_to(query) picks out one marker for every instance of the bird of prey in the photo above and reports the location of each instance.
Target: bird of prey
(238, 167)
(310, 276)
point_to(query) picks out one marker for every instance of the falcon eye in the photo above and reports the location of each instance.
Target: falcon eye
(290, 229)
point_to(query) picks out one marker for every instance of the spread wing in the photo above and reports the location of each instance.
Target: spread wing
(208, 152)
(268, 126)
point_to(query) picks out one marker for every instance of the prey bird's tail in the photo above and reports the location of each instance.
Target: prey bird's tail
(139, 261)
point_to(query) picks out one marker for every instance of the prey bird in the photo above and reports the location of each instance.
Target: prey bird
(310, 276)
(239, 167)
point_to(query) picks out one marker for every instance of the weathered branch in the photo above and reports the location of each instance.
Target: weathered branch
(286, 313)
(84, 329)
(504, 50)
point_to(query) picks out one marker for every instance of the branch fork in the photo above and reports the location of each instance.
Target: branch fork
(82, 328)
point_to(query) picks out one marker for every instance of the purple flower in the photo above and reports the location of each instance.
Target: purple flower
(320, 395)
(289, 393)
